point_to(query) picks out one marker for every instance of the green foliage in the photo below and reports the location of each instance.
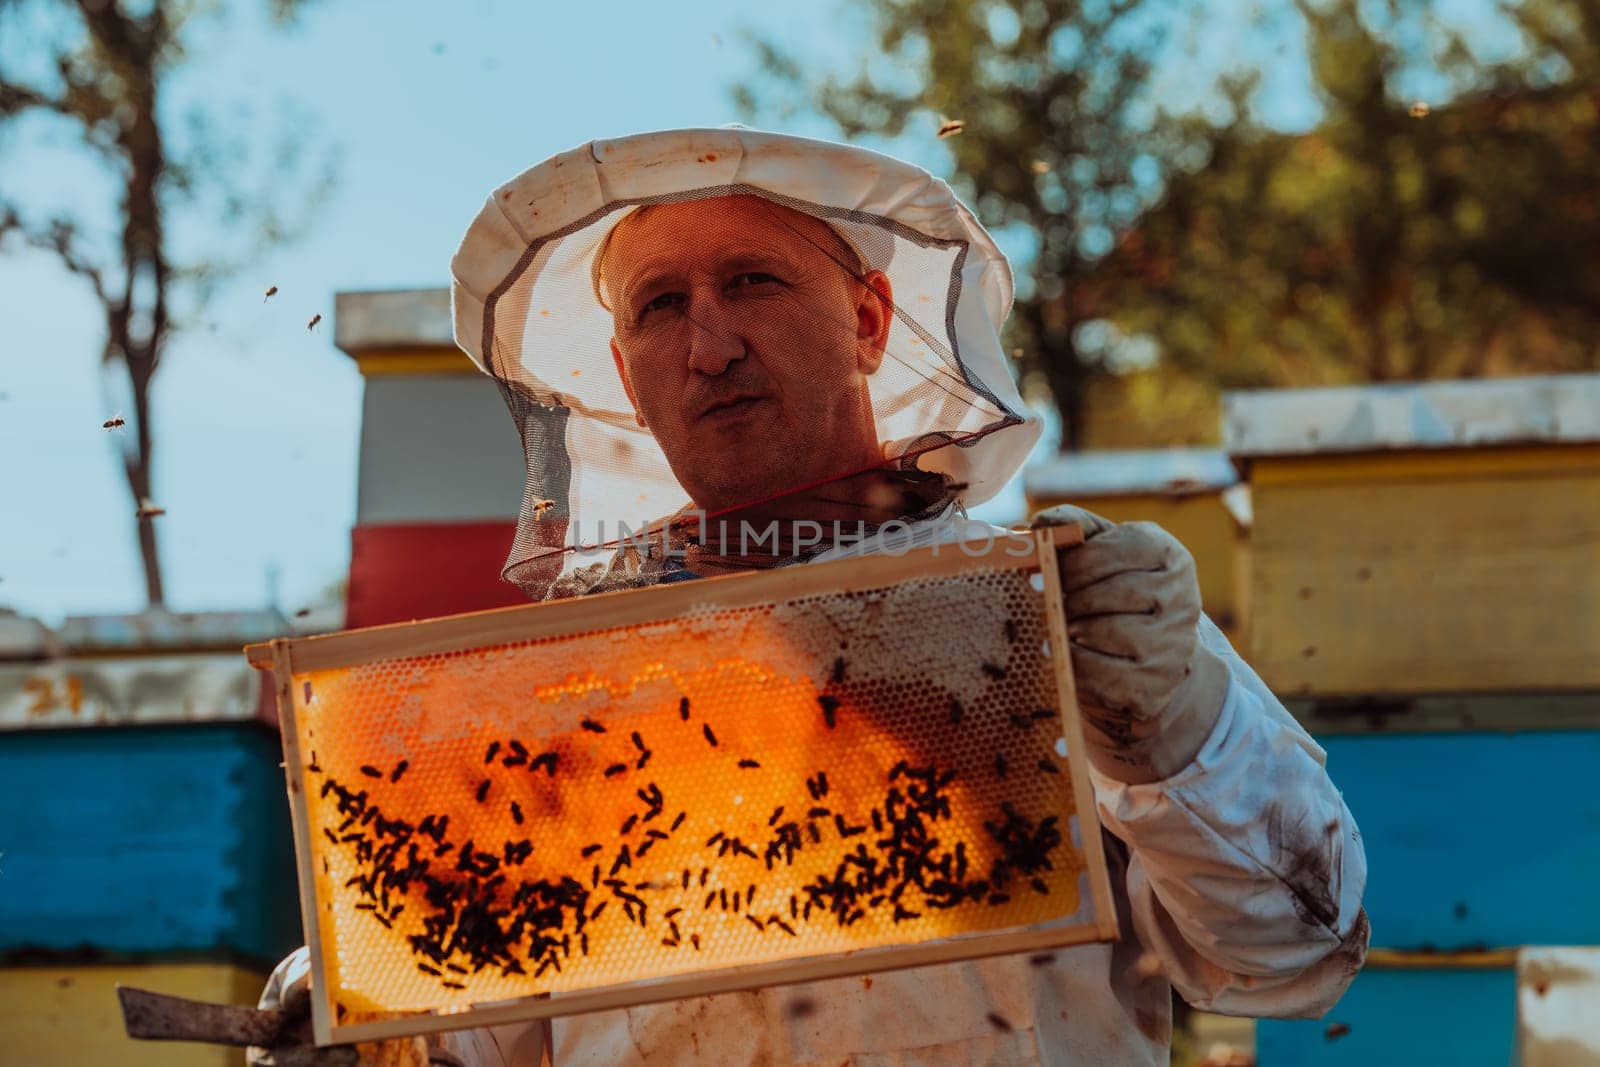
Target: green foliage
(1396, 240)
(1057, 147)
(1390, 242)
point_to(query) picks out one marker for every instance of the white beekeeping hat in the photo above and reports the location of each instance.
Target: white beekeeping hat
(530, 309)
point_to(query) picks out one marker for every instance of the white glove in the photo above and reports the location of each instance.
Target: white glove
(289, 990)
(1149, 691)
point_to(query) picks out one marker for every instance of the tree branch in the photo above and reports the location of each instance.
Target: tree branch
(15, 99)
(58, 237)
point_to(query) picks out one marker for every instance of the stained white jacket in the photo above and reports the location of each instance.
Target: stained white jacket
(1237, 881)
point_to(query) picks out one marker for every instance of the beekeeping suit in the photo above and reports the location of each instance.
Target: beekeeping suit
(634, 332)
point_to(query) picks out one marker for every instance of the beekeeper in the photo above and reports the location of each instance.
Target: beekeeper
(744, 331)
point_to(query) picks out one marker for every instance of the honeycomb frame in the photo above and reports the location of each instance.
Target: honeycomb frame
(760, 776)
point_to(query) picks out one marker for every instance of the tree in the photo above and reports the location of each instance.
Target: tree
(1393, 241)
(102, 74)
(1397, 240)
(1060, 148)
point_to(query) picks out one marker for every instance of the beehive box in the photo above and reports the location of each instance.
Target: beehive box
(1192, 493)
(60, 1013)
(162, 841)
(701, 787)
(1438, 986)
(1436, 538)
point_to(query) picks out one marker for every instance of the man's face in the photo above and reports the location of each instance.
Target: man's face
(745, 344)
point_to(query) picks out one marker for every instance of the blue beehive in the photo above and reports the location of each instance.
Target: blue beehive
(1425, 593)
(143, 809)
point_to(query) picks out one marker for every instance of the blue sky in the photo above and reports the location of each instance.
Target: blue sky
(430, 106)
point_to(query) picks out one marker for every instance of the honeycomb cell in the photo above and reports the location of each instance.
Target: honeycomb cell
(733, 787)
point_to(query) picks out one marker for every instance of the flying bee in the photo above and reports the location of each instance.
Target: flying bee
(148, 510)
(1420, 110)
(312, 325)
(950, 127)
(272, 291)
(542, 506)
(115, 422)
(1039, 166)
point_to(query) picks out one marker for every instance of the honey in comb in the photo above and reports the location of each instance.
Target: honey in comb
(488, 909)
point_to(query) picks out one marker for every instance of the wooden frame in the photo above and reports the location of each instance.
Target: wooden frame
(289, 657)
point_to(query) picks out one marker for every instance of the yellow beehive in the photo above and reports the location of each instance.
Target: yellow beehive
(1192, 493)
(1434, 538)
(69, 1013)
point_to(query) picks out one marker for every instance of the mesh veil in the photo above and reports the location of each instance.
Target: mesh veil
(749, 264)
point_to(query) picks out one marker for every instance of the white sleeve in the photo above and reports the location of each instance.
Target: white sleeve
(511, 1045)
(1246, 868)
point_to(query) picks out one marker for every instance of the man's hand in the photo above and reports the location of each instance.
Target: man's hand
(1149, 692)
(289, 990)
